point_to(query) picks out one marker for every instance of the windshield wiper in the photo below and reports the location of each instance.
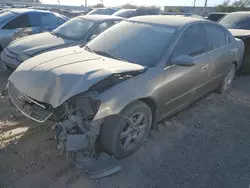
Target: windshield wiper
(108, 54)
(87, 48)
(59, 35)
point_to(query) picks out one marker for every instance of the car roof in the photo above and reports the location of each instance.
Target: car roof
(218, 13)
(24, 10)
(106, 8)
(127, 9)
(174, 21)
(241, 12)
(100, 17)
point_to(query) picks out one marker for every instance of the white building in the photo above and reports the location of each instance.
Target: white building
(19, 2)
(38, 3)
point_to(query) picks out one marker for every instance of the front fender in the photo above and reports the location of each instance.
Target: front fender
(119, 96)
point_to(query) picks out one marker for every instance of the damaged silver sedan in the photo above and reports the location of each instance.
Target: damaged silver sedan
(116, 88)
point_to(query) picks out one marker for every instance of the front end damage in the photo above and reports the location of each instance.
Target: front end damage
(75, 123)
(76, 130)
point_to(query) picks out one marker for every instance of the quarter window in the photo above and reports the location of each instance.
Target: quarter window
(215, 37)
(192, 42)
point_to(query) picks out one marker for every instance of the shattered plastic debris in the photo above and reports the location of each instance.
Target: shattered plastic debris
(79, 142)
(73, 136)
(95, 168)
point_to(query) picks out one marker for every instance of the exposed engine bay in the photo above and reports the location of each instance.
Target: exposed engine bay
(76, 129)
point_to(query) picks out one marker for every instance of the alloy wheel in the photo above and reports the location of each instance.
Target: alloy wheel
(229, 78)
(134, 131)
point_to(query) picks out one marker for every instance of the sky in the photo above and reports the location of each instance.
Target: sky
(137, 2)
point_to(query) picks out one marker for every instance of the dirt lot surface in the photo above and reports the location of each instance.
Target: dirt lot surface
(206, 145)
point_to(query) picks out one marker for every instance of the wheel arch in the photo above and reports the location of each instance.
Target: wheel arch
(237, 64)
(153, 106)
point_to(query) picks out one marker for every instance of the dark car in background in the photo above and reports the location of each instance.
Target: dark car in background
(104, 11)
(16, 23)
(216, 16)
(76, 31)
(238, 24)
(128, 13)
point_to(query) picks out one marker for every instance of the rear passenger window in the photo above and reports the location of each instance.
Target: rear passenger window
(35, 19)
(215, 37)
(49, 20)
(60, 21)
(192, 42)
(102, 27)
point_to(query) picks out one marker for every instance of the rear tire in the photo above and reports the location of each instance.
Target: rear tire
(126, 137)
(226, 86)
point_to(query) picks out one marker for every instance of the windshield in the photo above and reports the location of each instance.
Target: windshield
(215, 17)
(124, 13)
(75, 29)
(236, 21)
(6, 16)
(135, 42)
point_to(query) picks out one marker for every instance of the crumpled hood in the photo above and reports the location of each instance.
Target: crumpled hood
(38, 43)
(56, 76)
(240, 32)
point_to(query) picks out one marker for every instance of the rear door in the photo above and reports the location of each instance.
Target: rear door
(12, 27)
(183, 84)
(219, 53)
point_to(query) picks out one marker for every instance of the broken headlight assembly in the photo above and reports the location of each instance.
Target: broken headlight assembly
(114, 79)
(83, 104)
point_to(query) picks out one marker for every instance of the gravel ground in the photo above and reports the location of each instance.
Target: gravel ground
(206, 145)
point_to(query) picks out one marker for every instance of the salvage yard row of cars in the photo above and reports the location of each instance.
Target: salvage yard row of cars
(109, 80)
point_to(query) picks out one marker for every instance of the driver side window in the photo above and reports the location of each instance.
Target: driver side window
(191, 43)
(21, 21)
(102, 27)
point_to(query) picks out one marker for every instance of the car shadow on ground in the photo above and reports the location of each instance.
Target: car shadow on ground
(29, 155)
(206, 145)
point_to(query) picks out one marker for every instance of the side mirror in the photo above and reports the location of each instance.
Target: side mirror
(183, 60)
(93, 36)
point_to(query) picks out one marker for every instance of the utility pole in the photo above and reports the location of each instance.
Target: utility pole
(86, 3)
(194, 6)
(205, 6)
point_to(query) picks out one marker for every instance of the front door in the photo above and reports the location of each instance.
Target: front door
(183, 84)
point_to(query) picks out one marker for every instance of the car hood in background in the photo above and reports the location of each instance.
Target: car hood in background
(35, 44)
(241, 33)
(56, 76)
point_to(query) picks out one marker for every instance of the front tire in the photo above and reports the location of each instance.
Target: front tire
(124, 139)
(227, 84)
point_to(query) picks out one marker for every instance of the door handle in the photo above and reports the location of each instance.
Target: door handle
(230, 54)
(204, 68)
